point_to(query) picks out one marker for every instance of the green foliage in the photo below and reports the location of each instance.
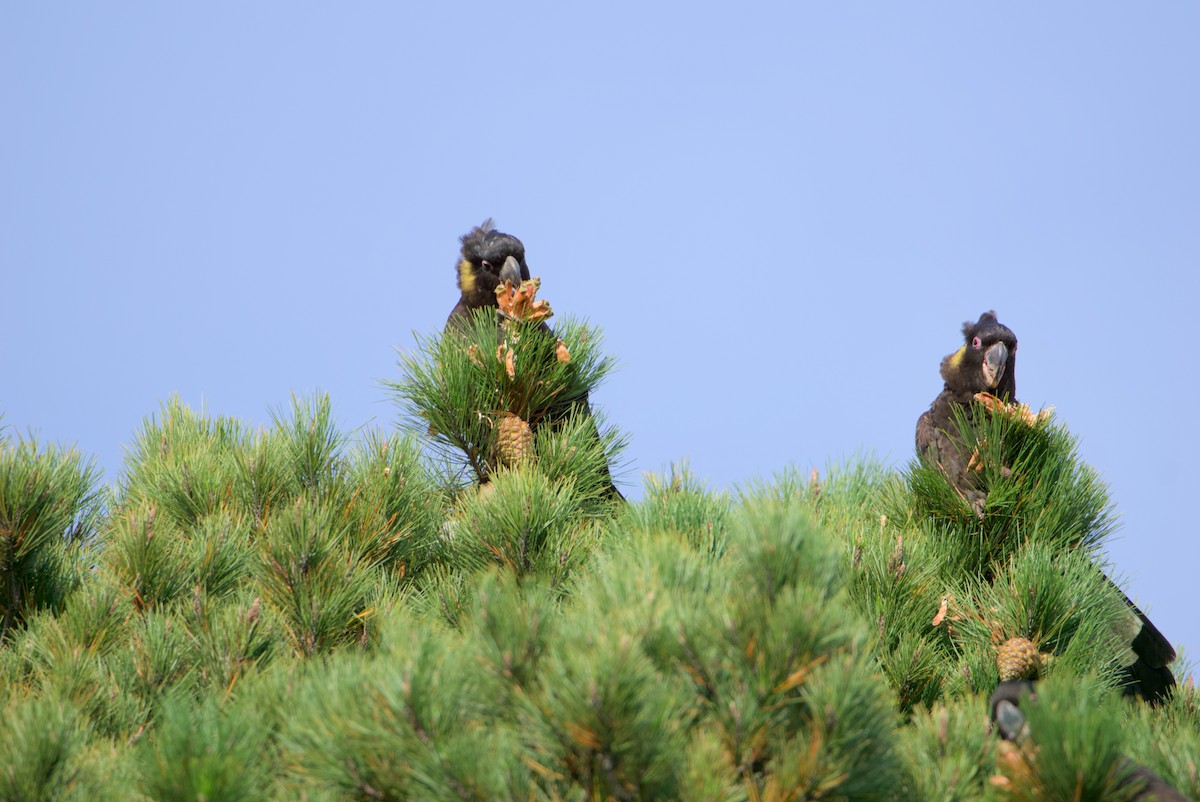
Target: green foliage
(457, 385)
(146, 556)
(948, 755)
(162, 658)
(203, 752)
(231, 640)
(895, 581)
(895, 578)
(395, 501)
(310, 447)
(1168, 741)
(1036, 488)
(846, 500)
(415, 723)
(183, 465)
(605, 721)
(315, 579)
(945, 583)
(1079, 738)
(812, 672)
(517, 626)
(766, 644)
(580, 447)
(1059, 601)
(83, 655)
(525, 523)
(446, 593)
(38, 742)
(680, 504)
(48, 506)
(851, 732)
(778, 548)
(218, 554)
(707, 772)
(292, 614)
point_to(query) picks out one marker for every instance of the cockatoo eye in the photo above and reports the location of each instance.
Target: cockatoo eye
(976, 343)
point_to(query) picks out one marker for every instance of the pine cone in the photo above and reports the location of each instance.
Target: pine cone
(1020, 412)
(1018, 658)
(519, 303)
(514, 440)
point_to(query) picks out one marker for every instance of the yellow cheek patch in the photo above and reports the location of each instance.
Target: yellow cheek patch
(466, 276)
(957, 357)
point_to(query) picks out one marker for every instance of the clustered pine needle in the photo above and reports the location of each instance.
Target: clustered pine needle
(272, 600)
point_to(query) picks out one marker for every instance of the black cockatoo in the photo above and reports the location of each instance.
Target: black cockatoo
(986, 362)
(487, 259)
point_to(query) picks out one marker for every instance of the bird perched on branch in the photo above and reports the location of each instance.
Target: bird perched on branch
(487, 259)
(986, 363)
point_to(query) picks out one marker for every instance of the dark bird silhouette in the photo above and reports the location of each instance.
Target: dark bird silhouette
(487, 259)
(1004, 708)
(987, 362)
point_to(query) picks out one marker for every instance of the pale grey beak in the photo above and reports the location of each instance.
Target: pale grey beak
(511, 271)
(993, 364)
(1009, 720)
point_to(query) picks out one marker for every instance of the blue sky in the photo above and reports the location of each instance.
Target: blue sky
(780, 214)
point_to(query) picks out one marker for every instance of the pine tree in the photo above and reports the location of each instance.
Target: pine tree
(1008, 589)
(483, 388)
(460, 611)
(48, 507)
